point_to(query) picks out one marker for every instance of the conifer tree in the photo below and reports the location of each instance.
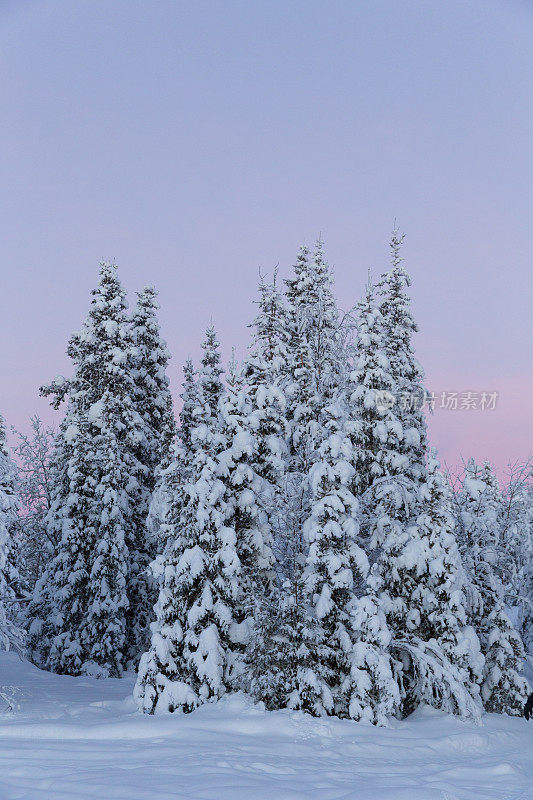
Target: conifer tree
(295, 363)
(380, 480)
(325, 649)
(43, 604)
(311, 349)
(245, 518)
(164, 669)
(371, 688)
(190, 397)
(312, 311)
(210, 383)
(327, 336)
(334, 562)
(276, 646)
(192, 655)
(268, 668)
(371, 398)
(110, 579)
(101, 403)
(264, 373)
(415, 564)
(436, 634)
(175, 467)
(445, 604)
(414, 555)
(515, 555)
(267, 358)
(153, 398)
(153, 403)
(61, 635)
(313, 352)
(406, 373)
(234, 373)
(11, 636)
(88, 576)
(503, 688)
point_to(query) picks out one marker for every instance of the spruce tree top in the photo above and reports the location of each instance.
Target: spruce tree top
(101, 349)
(268, 349)
(399, 321)
(147, 337)
(190, 398)
(210, 383)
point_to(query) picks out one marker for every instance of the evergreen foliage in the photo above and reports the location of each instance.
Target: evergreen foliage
(295, 532)
(11, 635)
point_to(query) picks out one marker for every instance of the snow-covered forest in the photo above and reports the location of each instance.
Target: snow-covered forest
(266, 475)
(291, 537)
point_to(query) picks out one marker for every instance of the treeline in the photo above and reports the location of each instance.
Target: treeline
(293, 537)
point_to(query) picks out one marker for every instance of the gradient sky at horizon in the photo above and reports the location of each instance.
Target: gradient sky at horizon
(197, 142)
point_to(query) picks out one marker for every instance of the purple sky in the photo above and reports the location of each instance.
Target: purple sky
(196, 142)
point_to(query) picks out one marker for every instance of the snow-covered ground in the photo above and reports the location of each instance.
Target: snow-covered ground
(82, 738)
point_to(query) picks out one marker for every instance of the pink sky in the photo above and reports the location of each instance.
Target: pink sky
(197, 142)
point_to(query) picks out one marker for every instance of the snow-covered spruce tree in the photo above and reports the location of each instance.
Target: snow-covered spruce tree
(153, 402)
(406, 582)
(153, 398)
(515, 555)
(313, 352)
(311, 304)
(311, 330)
(42, 608)
(302, 407)
(276, 636)
(373, 689)
(503, 688)
(110, 578)
(192, 652)
(375, 431)
(327, 655)
(371, 396)
(190, 401)
(101, 395)
(209, 380)
(268, 354)
(368, 425)
(298, 346)
(270, 675)
(234, 373)
(175, 471)
(88, 576)
(191, 415)
(264, 373)
(444, 647)
(283, 617)
(407, 374)
(59, 635)
(328, 332)
(103, 353)
(245, 519)
(163, 682)
(402, 580)
(11, 636)
(334, 561)
(175, 468)
(412, 567)
(508, 513)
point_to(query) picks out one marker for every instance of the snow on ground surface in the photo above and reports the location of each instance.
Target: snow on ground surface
(82, 738)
